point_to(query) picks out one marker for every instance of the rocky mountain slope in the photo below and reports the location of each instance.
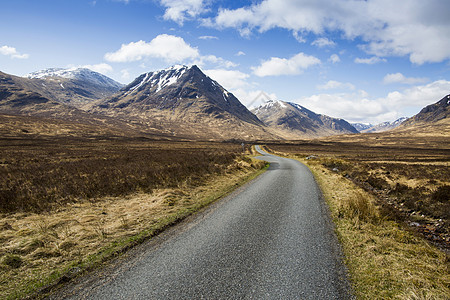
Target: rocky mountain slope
(432, 120)
(185, 101)
(17, 99)
(297, 121)
(25, 112)
(431, 113)
(76, 87)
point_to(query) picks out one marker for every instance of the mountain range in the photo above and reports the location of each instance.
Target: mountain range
(177, 102)
(385, 126)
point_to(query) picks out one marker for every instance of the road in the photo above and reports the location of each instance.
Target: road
(271, 239)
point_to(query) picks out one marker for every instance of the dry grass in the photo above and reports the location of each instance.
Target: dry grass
(39, 246)
(39, 175)
(410, 177)
(385, 261)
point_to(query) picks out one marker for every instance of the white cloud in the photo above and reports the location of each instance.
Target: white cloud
(369, 61)
(12, 52)
(323, 42)
(208, 37)
(253, 98)
(212, 59)
(360, 107)
(276, 66)
(172, 49)
(229, 79)
(240, 53)
(333, 85)
(400, 78)
(182, 10)
(125, 74)
(103, 68)
(334, 58)
(415, 28)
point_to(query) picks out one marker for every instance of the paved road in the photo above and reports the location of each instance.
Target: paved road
(270, 240)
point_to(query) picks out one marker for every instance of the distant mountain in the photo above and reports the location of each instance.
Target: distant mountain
(361, 126)
(24, 112)
(299, 121)
(385, 126)
(76, 87)
(17, 99)
(186, 102)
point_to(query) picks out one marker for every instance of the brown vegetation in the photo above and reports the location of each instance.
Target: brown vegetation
(69, 204)
(410, 177)
(36, 175)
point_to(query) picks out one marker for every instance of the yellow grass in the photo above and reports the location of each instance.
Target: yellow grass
(78, 236)
(384, 260)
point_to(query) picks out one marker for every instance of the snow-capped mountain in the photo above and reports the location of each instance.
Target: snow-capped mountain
(384, 126)
(186, 98)
(361, 126)
(82, 74)
(17, 99)
(76, 87)
(299, 120)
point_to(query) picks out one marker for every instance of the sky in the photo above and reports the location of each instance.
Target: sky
(365, 61)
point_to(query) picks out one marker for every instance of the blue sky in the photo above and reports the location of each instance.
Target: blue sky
(365, 61)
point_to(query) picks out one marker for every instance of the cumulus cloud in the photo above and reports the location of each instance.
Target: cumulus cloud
(212, 59)
(276, 66)
(103, 68)
(360, 107)
(421, 31)
(369, 61)
(237, 82)
(125, 74)
(400, 78)
(182, 10)
(12, 52)
(333, 85)
(170, 48)
(229, 79)
(253, 98)
(334, 58)
(323, 42)
(240, 53)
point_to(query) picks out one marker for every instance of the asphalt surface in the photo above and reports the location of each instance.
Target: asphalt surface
(272, 239)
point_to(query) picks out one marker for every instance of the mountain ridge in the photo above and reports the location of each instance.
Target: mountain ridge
(186, 100)
(299, 121)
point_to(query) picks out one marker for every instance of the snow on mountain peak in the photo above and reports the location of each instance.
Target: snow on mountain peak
(161, 79)
(75, 73)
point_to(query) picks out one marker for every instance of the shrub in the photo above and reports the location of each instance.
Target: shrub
(13, 261)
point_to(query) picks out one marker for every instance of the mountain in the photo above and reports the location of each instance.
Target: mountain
(361, 126)
(385, 126)
(17, 99)
(25, 112)
(431, 113)
(299, 121)
(185, 101)
(432, 120)
(76, 87)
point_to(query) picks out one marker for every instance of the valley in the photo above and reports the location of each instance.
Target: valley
(90, 168)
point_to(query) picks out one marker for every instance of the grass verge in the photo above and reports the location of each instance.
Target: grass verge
(384, 259)
(44, 250)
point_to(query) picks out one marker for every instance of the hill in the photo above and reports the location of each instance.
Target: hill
(296, 121)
